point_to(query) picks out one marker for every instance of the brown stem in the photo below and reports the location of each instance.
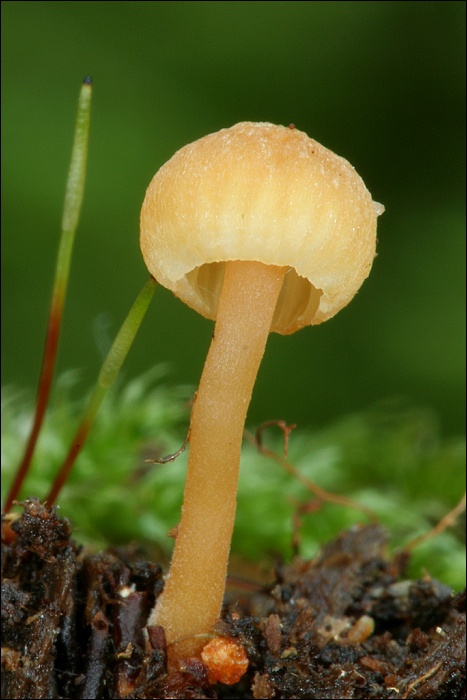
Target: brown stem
(447, 521)
(43, 392)
(322, 494)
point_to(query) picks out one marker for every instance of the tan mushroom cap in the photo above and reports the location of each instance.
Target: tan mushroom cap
(268, 193)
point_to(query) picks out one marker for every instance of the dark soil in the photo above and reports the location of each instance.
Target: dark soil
(344, 625)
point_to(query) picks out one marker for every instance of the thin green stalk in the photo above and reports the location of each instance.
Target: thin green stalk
(71, 210)
(107, 376)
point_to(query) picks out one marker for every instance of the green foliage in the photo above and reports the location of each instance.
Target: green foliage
(390, 458)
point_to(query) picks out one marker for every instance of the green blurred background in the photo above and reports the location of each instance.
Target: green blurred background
(380, 83)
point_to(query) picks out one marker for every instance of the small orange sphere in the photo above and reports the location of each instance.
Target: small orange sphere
(225, 659)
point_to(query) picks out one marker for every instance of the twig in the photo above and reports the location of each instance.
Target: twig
(319, 492)
(448, 521)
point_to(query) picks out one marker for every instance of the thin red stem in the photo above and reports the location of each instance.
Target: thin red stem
(43, 393)
(71, 210)
(67, 466)
(109, 372)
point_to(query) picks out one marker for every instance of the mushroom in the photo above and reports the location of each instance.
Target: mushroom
(261, 229)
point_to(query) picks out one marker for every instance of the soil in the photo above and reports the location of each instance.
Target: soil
(346, 624)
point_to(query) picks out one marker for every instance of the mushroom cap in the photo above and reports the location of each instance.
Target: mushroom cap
(257, 191)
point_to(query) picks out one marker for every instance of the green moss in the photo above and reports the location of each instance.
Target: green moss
(390, 458)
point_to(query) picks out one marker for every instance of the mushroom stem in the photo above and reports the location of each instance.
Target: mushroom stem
(191, 601)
